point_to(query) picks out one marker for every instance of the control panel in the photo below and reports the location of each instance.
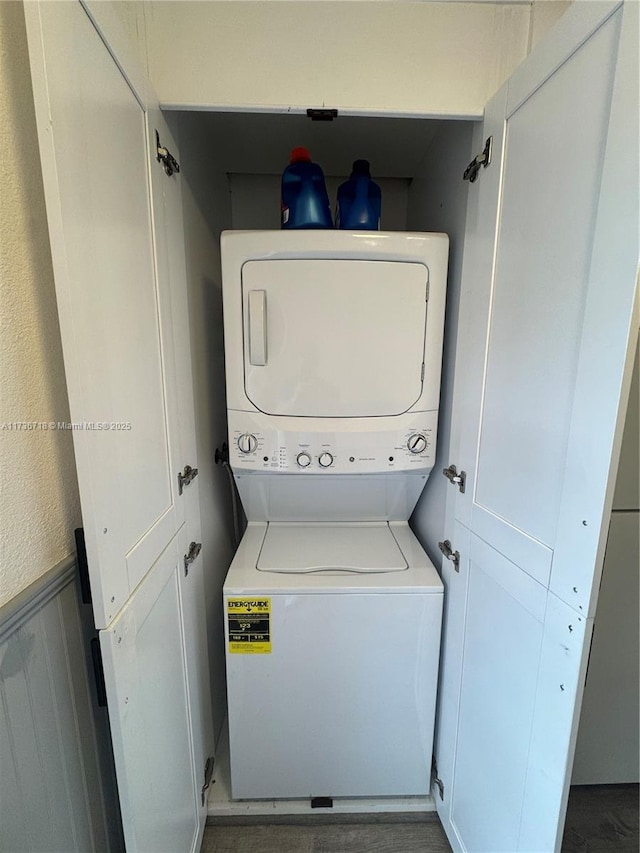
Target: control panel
(261, 443)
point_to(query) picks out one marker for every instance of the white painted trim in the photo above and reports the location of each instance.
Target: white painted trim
(21, 608)
(278, 109)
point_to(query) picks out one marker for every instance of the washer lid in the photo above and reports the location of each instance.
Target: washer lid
(330, 548)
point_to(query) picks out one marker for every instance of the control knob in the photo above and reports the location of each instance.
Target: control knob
(325, 460)
(417, 443)
(247, 443)
(303, 459)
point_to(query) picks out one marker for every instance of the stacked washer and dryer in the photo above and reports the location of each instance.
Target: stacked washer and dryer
(333, 345)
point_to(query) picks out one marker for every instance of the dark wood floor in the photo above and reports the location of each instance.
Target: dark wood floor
(313, 835)
(600, 819)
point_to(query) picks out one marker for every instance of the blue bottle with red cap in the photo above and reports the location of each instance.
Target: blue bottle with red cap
(305, 203)
(359, 200)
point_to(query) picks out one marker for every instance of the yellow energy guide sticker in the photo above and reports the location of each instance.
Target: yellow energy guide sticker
(249, 622)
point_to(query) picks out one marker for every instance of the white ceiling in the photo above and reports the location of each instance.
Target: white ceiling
(260, 143)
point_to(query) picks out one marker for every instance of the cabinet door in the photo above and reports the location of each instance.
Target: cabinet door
(542, 374)
(149, 715)
(113, 304)
(116, 235)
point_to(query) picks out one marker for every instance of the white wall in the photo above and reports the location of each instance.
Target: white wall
(207, 211)
(57, 783)
(627, 493)
(430, 58)
(544, 14)
(255, 201)
(438, 202)
(39, 503)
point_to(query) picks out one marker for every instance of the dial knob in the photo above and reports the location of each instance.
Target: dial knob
(247, 443)
(417, 443)
(303, 460)
(325, 460)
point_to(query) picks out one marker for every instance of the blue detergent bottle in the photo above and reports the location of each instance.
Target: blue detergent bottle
(305, 203)
(359, 200)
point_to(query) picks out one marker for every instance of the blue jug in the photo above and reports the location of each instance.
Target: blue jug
(305, 203)
(359, 200)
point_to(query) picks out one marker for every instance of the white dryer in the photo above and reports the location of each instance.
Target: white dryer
(333, 345)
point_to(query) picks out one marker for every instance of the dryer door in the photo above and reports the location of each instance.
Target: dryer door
(334, 338)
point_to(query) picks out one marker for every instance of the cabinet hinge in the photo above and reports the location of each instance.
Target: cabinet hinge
(194, 550)
(98, 673)
(471, 172)
(447, 549)
(434, 777)
(185, 477)
(83, 566)
(208, 774)
(164, 156)
(458, 479)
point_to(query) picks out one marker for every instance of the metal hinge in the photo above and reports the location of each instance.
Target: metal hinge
(222, 454)
(164, 156)
(447, 549)
(98, 672)
(83, 566)
(208, 773)
(434, 777)
(471, 172)
(459, 480)
(187, 476)
(194, 550)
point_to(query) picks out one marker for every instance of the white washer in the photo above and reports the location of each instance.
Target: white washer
(332, 640)
(333, 348)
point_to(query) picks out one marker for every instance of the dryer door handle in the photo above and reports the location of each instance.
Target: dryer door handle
(258, 327)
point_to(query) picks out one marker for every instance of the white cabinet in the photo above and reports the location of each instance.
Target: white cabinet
(429, 59)
(122, 308)
(546, 318)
